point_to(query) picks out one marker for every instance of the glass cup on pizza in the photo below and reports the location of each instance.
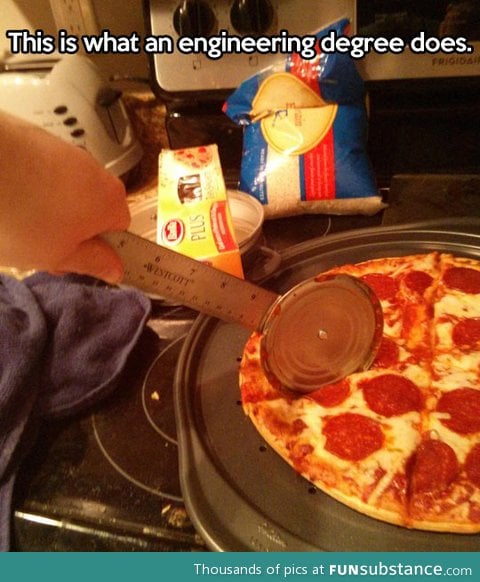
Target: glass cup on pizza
(399, 441)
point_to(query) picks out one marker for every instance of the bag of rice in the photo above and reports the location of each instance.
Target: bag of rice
(304, 142)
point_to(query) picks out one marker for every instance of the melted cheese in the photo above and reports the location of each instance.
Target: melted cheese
(458, 305)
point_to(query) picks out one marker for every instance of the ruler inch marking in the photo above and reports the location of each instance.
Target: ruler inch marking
(174, 276)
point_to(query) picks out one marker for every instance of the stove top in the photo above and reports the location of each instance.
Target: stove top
(108, 481)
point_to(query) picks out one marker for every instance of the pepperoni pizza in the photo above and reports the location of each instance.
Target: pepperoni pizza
(399, 442)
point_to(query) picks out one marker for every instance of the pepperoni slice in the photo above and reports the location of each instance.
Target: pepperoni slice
(418, 281)
(463, 278)
(466, 333)
(387, 354)
(472, 465)
(463, 406)
(434, 466)
(391, 395)
(332, 394)
(352, 436)
(383, 286)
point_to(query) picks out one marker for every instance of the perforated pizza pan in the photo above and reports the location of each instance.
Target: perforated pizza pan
(240, 495)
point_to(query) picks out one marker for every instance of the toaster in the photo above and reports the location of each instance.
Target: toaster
(71, 98)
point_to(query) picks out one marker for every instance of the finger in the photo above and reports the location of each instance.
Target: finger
(96, 258)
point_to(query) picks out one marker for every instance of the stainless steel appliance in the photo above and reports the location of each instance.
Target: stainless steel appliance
(406, 19)
(424, 109)
(177, 73)
(110, 480)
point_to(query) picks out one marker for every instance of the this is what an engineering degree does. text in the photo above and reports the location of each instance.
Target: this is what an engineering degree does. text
(215, 46)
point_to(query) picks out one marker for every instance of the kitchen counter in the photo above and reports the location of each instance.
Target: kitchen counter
(410, 198)
(147, 114)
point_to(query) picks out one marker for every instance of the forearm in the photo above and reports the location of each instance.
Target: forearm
(54, 197)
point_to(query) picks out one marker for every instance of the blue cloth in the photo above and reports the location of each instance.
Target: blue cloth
(64, 342)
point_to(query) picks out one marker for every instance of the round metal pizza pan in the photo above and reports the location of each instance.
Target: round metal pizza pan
(240, 495)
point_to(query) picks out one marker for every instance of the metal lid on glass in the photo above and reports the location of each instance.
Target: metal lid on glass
(320, 331)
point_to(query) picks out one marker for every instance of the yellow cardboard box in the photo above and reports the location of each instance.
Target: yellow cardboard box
(193, 214)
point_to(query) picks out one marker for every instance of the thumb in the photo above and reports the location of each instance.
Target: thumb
(96, 258)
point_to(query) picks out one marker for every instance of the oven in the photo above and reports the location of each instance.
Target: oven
(424, 109)
(115, 479)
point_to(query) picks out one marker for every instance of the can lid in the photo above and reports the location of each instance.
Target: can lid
(321, 331)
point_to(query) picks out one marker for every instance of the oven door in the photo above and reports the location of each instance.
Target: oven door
(429, 126)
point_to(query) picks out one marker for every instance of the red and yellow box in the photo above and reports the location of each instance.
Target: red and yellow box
(193, 214)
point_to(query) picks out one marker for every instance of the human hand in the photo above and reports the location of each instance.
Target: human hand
(55, 199)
